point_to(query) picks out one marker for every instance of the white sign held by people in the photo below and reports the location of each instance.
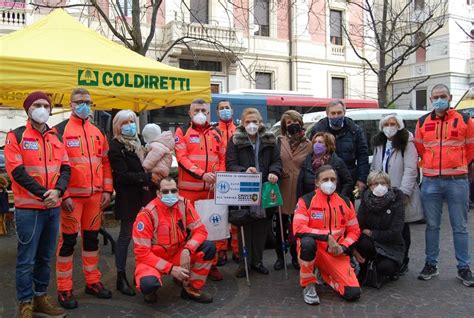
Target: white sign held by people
(238, 188)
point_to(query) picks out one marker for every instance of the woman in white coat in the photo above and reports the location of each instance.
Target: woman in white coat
(395, 153)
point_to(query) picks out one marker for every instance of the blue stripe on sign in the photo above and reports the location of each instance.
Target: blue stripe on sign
(249, 189)
(249, 184)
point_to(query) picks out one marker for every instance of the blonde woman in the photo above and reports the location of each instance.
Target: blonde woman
(133, 186)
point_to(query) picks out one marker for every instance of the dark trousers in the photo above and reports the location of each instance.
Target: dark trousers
(287, 223)
(385, 266)
(255, 237)
(123, 241)
(407, 238)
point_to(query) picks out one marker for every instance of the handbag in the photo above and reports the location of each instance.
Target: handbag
(271, 195)
(240, 216)
(215, 218)
(370, 278)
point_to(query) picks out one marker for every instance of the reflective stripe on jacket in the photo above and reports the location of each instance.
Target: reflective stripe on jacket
(445, 145)
(35, 163)
(198, 151)
(320, 215)
(87, 148)
(161, 231)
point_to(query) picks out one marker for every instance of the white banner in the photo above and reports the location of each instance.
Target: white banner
(215, 218)
(238, 188)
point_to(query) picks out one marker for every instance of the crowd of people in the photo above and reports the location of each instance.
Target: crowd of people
(63, 178)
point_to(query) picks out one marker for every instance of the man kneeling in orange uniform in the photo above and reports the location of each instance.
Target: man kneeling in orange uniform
(325, 225)
(162, 246)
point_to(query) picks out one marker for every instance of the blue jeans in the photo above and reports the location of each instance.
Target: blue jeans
(455, 192)
(37, 232)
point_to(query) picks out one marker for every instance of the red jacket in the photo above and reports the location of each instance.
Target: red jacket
(159, 232)
(445, 145)
(198, 150)
(319, 214)
(35, 163)
(87, 148)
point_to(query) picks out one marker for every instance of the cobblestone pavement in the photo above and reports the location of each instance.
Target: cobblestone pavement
(271, 295)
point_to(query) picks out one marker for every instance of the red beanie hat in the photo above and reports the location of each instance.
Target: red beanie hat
(33, 97)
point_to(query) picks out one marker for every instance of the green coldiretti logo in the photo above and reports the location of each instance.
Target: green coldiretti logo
(88, 77)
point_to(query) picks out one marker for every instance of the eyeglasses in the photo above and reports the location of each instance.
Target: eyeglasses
(78, 102)
(168, 191)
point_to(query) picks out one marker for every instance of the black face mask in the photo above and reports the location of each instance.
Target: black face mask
(293, 128)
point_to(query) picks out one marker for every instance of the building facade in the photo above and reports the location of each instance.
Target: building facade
(447, 57)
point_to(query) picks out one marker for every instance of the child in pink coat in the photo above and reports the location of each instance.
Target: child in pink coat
(159, 147)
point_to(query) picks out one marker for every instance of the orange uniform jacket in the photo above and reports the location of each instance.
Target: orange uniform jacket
(445, 145)
(87, 148)
(320, 215)
(227, 129)
(35, 163)
(160, 230)
(198, 150)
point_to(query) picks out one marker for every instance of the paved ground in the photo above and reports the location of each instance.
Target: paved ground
(270, 295)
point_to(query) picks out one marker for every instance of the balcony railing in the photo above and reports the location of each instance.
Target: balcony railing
(209, 34)
(13, 17)
(338, 50)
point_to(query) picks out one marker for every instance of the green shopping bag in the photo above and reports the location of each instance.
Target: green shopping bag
(271, 195)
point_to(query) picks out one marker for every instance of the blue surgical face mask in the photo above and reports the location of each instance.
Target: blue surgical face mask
(225, 114)
(82, 110)
(336, 122)
(169, 199)
(440, 104)
(129, 130)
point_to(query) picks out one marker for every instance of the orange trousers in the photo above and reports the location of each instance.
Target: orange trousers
(221, 245)
(336, 271)
(199, 269)
(87, 218)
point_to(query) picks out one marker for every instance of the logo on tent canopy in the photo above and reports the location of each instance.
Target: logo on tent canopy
(88, 77)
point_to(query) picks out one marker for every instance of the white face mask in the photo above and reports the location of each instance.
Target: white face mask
(40, 115)
(390, 131)
(328, 187)
(199, 119)
(251, 129)
(380, 190)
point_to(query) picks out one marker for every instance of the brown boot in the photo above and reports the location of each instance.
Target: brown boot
(45, 304)
(3, 227)
(25, 310)
(196, 295)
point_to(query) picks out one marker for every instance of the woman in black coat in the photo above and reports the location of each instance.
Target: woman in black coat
(381, 219)
(324, 147)
(132, 187)
(250, 140)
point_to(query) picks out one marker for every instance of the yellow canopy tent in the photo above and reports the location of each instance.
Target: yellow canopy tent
(58, 53)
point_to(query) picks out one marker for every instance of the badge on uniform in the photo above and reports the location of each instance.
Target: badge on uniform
(73, 142)
(194, 139)
(176, 139)
(30, 144)
(140, 226)
(318, 215)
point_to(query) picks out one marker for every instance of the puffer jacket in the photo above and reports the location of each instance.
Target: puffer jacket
(351, 146)
(159, 158)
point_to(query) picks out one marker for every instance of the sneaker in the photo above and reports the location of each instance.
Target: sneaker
(66, 299)
(25, 310)
(465, 275)
(215, 275)
(196, 295)
(310, 295)
(428, 272)
(222, 260)
(44, 305)
(98, 290)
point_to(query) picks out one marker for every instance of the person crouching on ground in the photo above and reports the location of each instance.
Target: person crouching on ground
(162, 246)
(381, 220)
(159, 147)
(325, 225)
